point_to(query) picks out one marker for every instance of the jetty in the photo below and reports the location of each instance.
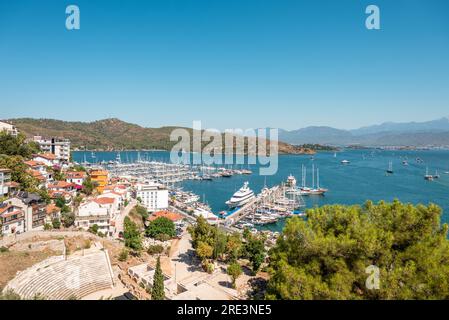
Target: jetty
(275, 196)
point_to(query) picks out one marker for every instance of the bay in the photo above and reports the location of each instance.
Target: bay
(364, 178)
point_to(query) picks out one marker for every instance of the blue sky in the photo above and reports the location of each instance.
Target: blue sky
(233, 63)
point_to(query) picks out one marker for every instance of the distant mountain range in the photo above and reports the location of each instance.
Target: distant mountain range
(416, 134)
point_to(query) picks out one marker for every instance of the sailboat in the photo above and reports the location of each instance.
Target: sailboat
(428, 176)
(390, 168)
(306, 191)
(437, 175)
(318, 190)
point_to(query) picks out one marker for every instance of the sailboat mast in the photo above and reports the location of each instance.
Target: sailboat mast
(313, 176)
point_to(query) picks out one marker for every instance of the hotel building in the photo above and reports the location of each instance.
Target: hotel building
(60, 147)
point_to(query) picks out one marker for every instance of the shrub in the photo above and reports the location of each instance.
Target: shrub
(156, 249)
(93, 229)
(123, 256)
(56, 224)
(4, 249)
(87, 244)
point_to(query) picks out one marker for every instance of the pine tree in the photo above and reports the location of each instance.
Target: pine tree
(158, 292)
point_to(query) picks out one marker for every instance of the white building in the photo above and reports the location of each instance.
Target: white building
(154, 196)
(48, 159)
(33, 207)
(12, 219)
(60, 147)
(5, 178)
(95, 213)
(75, 177)
(8, 128)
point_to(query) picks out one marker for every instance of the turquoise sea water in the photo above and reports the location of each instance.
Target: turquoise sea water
(364, 178)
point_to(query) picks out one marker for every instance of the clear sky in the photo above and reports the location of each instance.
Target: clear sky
(229, 63)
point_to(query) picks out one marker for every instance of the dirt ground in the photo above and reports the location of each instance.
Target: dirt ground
(13, 261)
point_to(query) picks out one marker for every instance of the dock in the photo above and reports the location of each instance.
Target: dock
(269, 196)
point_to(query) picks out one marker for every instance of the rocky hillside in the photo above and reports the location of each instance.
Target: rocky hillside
(114, 134)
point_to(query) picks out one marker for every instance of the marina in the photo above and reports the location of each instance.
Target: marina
(362, 179)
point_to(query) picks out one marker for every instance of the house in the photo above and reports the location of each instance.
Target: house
(62, 186)
(48, 159)
(67, 196)
(8, 128)
(5, 179)
(59, 147)
(53, 213)
(12, 219)
(40, 178)
(34, 208)
(153, 196)
(75, 177)
(100, 179)
(120, 189)
(39, 170)
(92, 213)
(117, 201)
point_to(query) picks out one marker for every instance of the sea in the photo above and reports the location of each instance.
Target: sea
(364, 178)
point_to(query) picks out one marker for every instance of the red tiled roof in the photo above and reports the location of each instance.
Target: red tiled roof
(36, 174)
(75, 175)
(33, 163)
(61, 185)
(48, 156)
(104, 200)
(166, 214)
(10, 214)
(52, 208)
(3, 209)
(12, 184)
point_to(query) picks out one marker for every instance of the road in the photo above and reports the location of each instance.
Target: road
(120, 218)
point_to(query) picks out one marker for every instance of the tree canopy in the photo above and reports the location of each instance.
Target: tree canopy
(17, 146)
(131, 234)
(328, 255)
(161, 226)
(158, 289)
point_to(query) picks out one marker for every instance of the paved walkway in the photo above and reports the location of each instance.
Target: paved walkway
(187, 270)
(120, 218)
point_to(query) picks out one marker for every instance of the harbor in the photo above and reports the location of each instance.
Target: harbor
(361, 177)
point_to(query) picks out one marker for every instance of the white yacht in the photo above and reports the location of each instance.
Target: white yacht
(241, 197)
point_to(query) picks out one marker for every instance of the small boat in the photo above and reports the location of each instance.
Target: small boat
(345, 162)
(206, 177)
(226, 174)
(446, 172)
(428, 176)
(405, 163)
(390, 168)
(437, 175)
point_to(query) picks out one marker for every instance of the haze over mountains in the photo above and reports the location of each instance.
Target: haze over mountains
(435, 132)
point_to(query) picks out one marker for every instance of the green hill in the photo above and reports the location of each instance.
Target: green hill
(112, 134)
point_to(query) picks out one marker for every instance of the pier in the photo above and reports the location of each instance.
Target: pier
(269, 196)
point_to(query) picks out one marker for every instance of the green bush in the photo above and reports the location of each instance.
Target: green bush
(56, 224)
(4, 249)
(123, 256)
(161, 226)
(156, 249)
